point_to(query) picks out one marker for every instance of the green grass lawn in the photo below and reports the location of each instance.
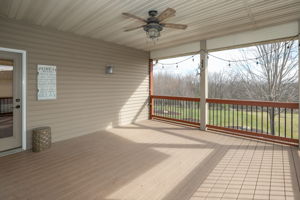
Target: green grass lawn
(237, 119)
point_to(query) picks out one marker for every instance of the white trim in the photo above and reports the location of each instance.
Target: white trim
(23, 107)
(180, 50)
(299, 83)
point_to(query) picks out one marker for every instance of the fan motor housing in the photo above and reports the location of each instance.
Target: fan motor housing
(153, 22)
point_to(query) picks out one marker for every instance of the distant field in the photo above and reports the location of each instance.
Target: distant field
(242, 120)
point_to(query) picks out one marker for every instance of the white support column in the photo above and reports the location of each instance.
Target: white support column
(203, 85)
(299, 81)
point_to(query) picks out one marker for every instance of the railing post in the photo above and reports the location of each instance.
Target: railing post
(150, 88)
(203, 85)
(299, 82)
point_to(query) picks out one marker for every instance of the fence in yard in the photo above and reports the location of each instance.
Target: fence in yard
(268, 120)
(6, 104)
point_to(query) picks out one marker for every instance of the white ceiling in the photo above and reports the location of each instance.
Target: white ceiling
(102, 19)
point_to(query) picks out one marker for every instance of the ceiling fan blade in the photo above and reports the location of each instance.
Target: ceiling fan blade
(134, 17)
(169, 12)
(177, 26)
(134, 28)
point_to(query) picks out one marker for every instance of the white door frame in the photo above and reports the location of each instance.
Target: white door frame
(23, 101)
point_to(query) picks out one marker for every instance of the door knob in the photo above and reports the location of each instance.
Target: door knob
(17, 106)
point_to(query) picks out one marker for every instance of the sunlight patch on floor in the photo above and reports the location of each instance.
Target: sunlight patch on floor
(161, 176)
(145, 135)
(250, 173)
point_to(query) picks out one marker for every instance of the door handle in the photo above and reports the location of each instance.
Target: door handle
(16, 107)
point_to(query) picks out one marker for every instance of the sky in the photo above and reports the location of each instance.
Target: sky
(189, 66)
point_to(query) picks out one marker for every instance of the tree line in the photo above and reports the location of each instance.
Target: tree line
(273, 76)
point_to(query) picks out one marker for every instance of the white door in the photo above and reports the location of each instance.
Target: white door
(10, 101)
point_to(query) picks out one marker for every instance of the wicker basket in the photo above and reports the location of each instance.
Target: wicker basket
(41, 139)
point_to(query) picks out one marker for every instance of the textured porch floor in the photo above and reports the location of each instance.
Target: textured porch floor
(153, 160)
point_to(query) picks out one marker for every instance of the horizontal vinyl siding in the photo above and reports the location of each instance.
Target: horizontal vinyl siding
(88, 100)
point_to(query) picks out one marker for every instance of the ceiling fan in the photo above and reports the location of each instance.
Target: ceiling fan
(154, 24)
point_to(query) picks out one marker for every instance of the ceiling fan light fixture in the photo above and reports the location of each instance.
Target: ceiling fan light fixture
(153, 30)
(153, 33)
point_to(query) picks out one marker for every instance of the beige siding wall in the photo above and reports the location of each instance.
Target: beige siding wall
(88, 100)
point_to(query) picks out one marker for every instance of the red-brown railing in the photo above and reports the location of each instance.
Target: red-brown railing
(272, 120)
(260, 119)
(179, 109)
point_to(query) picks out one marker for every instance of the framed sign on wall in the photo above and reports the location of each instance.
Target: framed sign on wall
(46, 82)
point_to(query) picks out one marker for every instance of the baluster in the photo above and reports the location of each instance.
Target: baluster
(267, 120)
(224, 110)
(220, 115)
(232, 115)
(213, 114)
(279, 132)
(251, 118)
(256, 124)
(237, 116)
(262, 120)
(284, 122)
(228, 123)
(246, 117)
(292, 116)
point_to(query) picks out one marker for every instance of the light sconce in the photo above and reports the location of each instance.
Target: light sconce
(108, 69)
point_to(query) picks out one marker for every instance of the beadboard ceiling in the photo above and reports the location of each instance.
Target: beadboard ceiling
(102, 19)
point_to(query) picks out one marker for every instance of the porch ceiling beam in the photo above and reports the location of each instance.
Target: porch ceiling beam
(181, 50)
(241, 39)
(253, 37)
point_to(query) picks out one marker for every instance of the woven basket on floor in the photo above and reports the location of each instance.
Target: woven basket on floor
(41, 139)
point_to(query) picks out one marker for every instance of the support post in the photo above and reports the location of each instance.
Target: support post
(150, 88)
(203, 85)
(299, 80)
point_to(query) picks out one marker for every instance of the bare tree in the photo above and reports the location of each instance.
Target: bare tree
(217, 83)
(170, 84)
(272, 76)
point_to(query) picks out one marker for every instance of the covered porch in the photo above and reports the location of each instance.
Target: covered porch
(153, 160)
(112, 137)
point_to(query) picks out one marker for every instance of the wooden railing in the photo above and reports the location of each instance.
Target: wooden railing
(6, 104)
(273, 120)
(178, 109)
(276, 121)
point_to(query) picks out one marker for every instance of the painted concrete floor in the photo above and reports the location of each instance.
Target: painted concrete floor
(152, 160)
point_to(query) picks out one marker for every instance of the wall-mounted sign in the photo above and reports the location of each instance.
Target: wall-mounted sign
(46, 82)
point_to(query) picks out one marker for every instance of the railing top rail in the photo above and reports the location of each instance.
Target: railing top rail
(255, 103)
(234, 101)
(176, 98)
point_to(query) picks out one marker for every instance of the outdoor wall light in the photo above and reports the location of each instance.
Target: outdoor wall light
(108, 69)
